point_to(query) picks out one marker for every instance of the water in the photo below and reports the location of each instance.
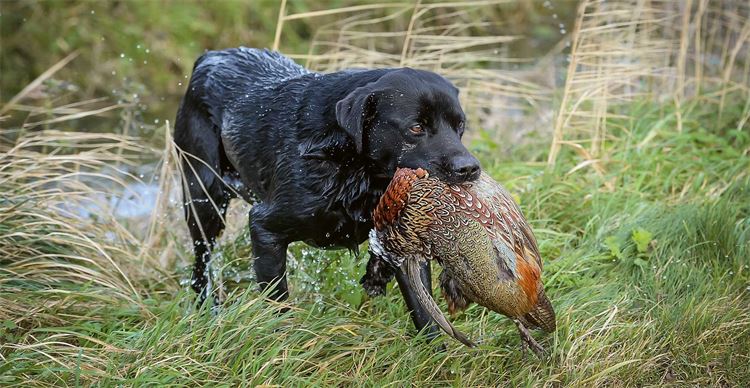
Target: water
(135, 199)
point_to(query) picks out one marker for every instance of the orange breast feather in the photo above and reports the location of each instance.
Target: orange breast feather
(530, 275)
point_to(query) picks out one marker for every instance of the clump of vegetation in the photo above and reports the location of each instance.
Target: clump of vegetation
(645, 242)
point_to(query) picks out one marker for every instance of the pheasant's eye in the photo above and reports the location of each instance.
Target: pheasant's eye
(416, 129)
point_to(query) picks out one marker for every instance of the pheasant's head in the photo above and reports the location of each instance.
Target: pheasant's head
(395, 196)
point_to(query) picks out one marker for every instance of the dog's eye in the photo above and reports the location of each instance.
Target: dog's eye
(461, 126)
(416, 128)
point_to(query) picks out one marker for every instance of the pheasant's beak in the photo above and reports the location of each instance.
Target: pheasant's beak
(411, 268)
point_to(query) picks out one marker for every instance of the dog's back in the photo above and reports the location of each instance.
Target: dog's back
(221, 77)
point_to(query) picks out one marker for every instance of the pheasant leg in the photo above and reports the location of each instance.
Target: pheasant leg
(528, 340)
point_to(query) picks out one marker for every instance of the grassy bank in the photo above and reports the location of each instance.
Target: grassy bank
(649, 278)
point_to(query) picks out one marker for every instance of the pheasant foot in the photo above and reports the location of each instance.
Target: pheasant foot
(528, 340)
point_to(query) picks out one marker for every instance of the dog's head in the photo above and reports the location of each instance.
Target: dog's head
(409, 118)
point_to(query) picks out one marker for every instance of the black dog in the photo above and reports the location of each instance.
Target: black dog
(312, 151)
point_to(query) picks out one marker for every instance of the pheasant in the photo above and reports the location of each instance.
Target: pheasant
(477, 233)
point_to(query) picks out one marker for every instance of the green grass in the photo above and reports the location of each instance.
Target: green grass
(650, 281)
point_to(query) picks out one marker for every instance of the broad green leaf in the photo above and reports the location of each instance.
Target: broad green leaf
(641, 237)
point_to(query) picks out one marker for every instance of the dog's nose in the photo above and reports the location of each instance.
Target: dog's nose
(465, 167)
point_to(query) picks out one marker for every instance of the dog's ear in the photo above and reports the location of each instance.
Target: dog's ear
(354, 113)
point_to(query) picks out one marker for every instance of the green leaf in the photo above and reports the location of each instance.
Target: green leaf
(642, 237)
(353, 297)
(614, 246)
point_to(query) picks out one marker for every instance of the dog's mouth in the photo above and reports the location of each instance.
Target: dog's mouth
(452, 178)
(381, 176)
(435, 169)
(459, 180)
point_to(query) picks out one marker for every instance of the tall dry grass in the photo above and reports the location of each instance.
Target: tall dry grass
(627, 50)
(60, 192)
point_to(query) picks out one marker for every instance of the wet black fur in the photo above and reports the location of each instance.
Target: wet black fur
(312, 151)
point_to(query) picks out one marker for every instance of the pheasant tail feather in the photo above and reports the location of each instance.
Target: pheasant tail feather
(542, 315)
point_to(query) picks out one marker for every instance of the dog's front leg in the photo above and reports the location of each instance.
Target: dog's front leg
(420, 317)
(269, 249)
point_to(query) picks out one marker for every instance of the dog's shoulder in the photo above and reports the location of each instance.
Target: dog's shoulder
(245, 62)
(224, 75)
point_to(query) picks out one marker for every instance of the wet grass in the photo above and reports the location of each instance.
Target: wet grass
(650, 279)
